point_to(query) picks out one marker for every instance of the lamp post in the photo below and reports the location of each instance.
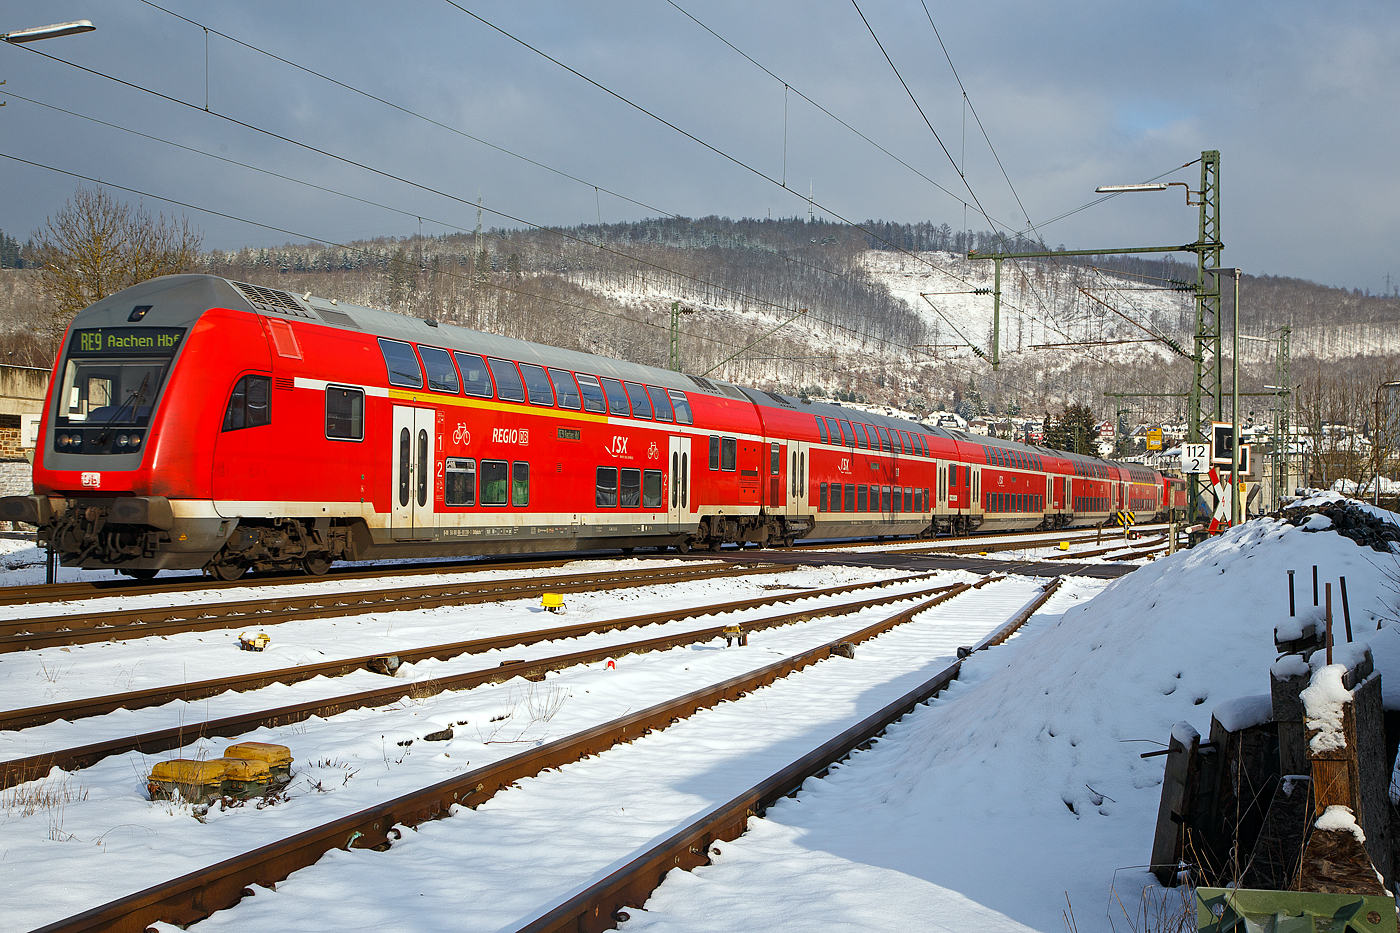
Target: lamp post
(1205, 392)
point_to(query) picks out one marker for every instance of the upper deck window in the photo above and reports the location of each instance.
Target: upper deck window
(617, 398)
(475, 379)
(683, 413)
(660, 403)
(565, 389)
(593, 397)
(537, 381)
(641, 405)
(402, 364)
(249, 405)
(442, 375)
(509, 388)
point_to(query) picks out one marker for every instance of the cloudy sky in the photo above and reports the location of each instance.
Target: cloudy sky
(1300, 98)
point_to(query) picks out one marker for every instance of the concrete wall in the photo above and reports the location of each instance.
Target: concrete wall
(22, 390)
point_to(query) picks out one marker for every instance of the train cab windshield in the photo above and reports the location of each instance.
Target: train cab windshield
(110, 381)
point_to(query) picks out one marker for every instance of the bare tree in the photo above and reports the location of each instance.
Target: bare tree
(96, 246)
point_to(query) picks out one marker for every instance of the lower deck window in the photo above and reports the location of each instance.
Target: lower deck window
(520, 483)
(821, 498)
(630, 490)
(494, 481)
(652, 497)
(459, 487)
(862, 498)
(605, 485)
(345, 413)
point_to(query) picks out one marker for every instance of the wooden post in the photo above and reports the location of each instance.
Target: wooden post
(1353, 774)
(1178, 791)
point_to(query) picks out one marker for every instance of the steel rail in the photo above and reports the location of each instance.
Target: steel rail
(603, 905)
(97, 589)
(20, 770)
(155, 696)
(994, 546)
(1099, 552)
(196, 895)
(48, 631)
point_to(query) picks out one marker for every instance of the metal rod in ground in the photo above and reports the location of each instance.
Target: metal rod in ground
(1291, 611)
(1314, 584)
(1346, 609)
(1329, 623)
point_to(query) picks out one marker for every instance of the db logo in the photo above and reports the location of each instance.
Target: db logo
(92, 479)
(462, 437)
(618, 446)
(519, 436)
(653, 451)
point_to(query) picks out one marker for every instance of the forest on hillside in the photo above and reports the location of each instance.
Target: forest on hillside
(792, 305)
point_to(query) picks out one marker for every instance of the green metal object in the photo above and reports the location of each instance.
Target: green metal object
(1206, 404)
(1240, 910)
(996, 317)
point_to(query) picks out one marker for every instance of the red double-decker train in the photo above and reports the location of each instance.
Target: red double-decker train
(197, 422)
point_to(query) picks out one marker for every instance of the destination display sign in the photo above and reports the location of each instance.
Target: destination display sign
(126, 341)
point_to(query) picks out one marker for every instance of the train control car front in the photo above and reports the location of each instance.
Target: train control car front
(118, 481)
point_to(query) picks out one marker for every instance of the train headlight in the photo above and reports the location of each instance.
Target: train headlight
(61, 440)
(135, 440)
(76, 440)
(123, 440)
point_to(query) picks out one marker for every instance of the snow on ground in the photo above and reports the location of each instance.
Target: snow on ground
(1015, 797)
(86, 823)
(496, 867)
(1019, 794)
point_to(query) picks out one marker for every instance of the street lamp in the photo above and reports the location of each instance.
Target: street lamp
(1148, 186)
(48, 32)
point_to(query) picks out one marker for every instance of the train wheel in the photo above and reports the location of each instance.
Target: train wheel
(316, 565)
(227, 572)
(683, 546)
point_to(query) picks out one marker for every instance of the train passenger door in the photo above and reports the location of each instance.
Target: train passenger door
(797, 479)
(413, 473)
(678, 494)
(777, 498)
(1059, 500)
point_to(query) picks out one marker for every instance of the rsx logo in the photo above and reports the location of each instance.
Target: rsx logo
(618, 446)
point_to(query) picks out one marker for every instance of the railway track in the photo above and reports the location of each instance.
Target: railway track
(33, 594)
(95, 706)
(188, 898)
(17, 771)
(79, 628)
